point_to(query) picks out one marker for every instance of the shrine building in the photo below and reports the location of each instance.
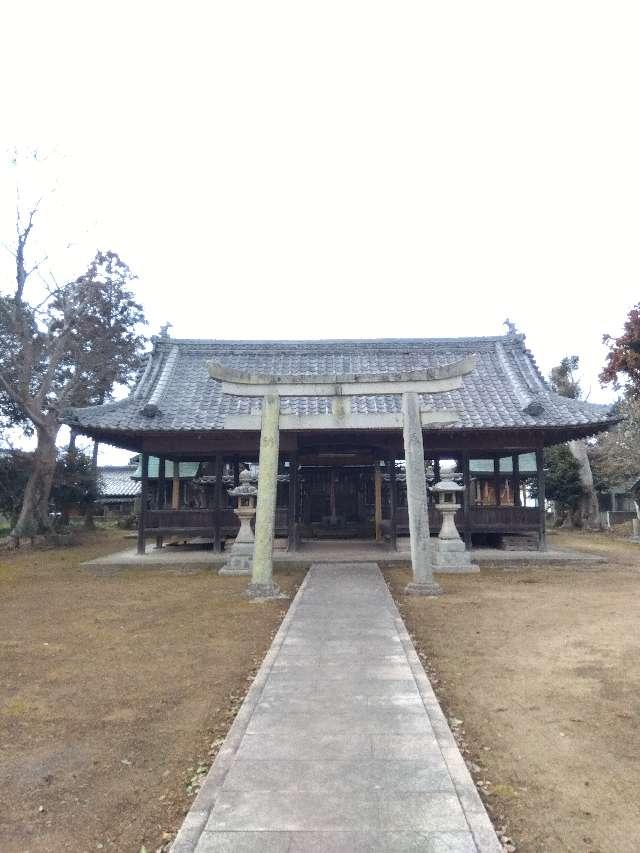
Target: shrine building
(344, 437)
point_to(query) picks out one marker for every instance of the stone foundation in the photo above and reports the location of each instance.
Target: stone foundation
(241, 562)
(450, 556)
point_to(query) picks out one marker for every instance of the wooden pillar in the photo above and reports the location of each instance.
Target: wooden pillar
(542, 543)
(144, 491)
(292, 544)
(217, 514)
(377, 497)
(391, 467)
(436, 469)
(176, 499)
(160, 492)
(332, 495)
(175, 490)
(236, 471)
(516, 480)
(467, 500)
(496, 479)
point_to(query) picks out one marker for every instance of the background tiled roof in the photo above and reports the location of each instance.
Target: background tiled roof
(506, 389)
(115, 481)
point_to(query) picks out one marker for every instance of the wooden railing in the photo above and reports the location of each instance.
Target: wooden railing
(201, 521)
(179, 520)
(487, 518)
(435, 518)
(504, 518)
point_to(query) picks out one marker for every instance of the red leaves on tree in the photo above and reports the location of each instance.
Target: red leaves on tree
(623, 359)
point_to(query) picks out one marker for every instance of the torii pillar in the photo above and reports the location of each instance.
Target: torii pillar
(262, 585)
(417, 503)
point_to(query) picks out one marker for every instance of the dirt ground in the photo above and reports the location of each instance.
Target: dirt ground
(112, 691)
(539, 668)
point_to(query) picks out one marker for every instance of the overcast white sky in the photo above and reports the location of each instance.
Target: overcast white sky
(342, 169)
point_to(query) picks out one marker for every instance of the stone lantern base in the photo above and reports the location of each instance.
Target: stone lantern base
(241, 552)
(240, 562)
(450, 555)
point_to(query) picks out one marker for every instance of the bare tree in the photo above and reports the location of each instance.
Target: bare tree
(68, 349)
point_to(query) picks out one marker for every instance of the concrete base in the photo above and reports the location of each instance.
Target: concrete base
(329, 551)
(241, 560)
(237, 566)
(263, 590)
(414, 588)
(450, 556)
(456, 569)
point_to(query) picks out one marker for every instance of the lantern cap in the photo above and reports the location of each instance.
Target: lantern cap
(447, 486)
(244, 490)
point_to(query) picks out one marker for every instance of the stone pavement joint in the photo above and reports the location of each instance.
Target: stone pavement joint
(340, 746)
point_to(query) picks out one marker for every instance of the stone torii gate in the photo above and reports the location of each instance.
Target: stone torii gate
(340, 389)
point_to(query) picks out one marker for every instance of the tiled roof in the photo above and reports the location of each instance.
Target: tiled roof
(176, 392)
(115, 481)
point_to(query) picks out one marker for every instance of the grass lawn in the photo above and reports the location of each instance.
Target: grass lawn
(113, 690)
(541, 666)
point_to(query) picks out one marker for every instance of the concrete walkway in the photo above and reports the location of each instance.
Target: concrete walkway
(340, 745)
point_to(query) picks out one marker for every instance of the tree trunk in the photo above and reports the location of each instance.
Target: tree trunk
(71, 451)
(589, 511)
(34, 515)
(88, 513)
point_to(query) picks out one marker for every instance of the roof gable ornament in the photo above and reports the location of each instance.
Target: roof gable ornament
(511, 327)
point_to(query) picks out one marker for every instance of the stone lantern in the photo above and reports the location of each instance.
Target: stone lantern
(449, 553)
(241, 552)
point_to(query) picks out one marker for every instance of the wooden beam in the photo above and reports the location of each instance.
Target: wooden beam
(377, 497)
(203, 446)
(332, 495)
(292, 544)
(217, 532)
(144, 489)
(516, 480)
(175, 489)
(466, 475)
(160, 493)
(542, 543)
(391, 464)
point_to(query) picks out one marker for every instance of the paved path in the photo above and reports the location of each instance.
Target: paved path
(340, 744)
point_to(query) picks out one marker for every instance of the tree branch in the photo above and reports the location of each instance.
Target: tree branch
(36, 417)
